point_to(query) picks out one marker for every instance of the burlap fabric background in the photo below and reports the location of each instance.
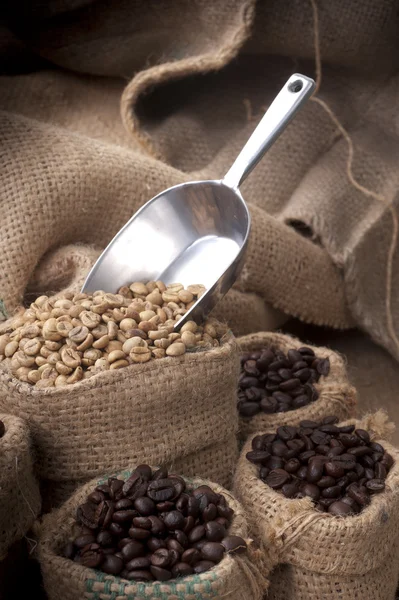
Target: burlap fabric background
(236, 577)
(356, 557)
(19, 490)
(336, 395)
(158, 412)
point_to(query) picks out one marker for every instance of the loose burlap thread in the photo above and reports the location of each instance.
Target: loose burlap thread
(19, 489)
(236, 577)
(155, 412)
(336, 395)
(356, 557)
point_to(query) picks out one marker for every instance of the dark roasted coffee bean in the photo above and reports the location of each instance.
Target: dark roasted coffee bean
(275, 462)
(189, 524)
(304, 456)
(133, 549)
(265, 359)
(322, 449)
(326, 502)
(292, 465)
(323, 367)
(340, 509)
(300, 401)
(249, 409)
(369, 473)
(291, 384)
(161, 473)
(175, 520)
(343, 482)
(380, 471)
(309, 445)
(358, 494)
(96, 497)
(145, 506)
(336, 451)
(352, 476)
(258, 456)
(303, 374)
(161, 490)
(302, 472)
(330, 420)
(181, 538)
(104, 538)
(192, 507)
(263, 472)
(191, 556)
(165, 506)
(123, 542)
(269, 405)
(347, 428)
(141, 562)
(377, 447)
(331, 492)
(104, 489)
(326, 482)
(329, 428)
(142, 522)
(160, 574)
(376, 456)
(89, 515)
(247, 382)
(277, 478)
(280, 363)
(109, 513)
(124, 516)
(298, 365)
(254, 394)
(297, 445)
(225, 512)
(116, 529)
(387, 460)
(287, 433)
(157, 526)
(363, 435)
(318, 437)
(281, 397)
(138, 575)
(205, 490)
(214, 531)
(196, 534)
(93, 559)
(182, 569)
(315, 471)
(279, 448)
(212, 551)
(136, 533)
(290, 489)
(160, 558)
(294, 356)
(285, 374)
(203, 566)
(375, 485)
(112, 564)
(354, 505)
(210, 513)
(360, 451)
(123, 504)
(154, 543)
(308, 424)
(305, 351)
(311, 490)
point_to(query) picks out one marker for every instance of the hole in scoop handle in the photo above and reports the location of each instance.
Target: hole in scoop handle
(294, 94)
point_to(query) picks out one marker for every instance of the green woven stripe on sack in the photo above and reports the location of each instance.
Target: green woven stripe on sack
(188, 590)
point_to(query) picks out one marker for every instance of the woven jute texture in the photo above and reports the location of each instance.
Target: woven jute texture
(326, 556)
(156, 412)
(242, 577)
(336, 395)
(19, 490)
(216, 463)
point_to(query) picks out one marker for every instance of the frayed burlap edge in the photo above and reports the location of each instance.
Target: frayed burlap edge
(234, 577)
(350, 546)
(336, 395)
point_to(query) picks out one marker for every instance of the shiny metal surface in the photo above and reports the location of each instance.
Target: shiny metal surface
(196, 232)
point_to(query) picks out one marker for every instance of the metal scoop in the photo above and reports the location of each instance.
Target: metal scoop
(196, 232)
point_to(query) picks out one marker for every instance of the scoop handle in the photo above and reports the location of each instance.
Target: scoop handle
(284, 107)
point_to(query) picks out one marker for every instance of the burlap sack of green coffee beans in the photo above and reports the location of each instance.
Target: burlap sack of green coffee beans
(336, 396)
(322, 556)
(19, 489)
(157, 412)
(242, 577)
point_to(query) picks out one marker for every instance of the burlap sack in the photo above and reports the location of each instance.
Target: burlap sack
(19, 490)
(322, 556)
(216, 463)
(237, 577)
(336, 395)
(156, 412)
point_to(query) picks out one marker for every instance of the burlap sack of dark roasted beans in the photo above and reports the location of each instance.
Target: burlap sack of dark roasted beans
(74, 169)
(178, 411)
(238, 577)
(19, 489)
(321, 555)
(334, 394)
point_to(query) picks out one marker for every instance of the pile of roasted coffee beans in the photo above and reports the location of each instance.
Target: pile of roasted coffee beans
(338, 467)
(151, 527)
(56, 342)
(273, 382)
(2, 429)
